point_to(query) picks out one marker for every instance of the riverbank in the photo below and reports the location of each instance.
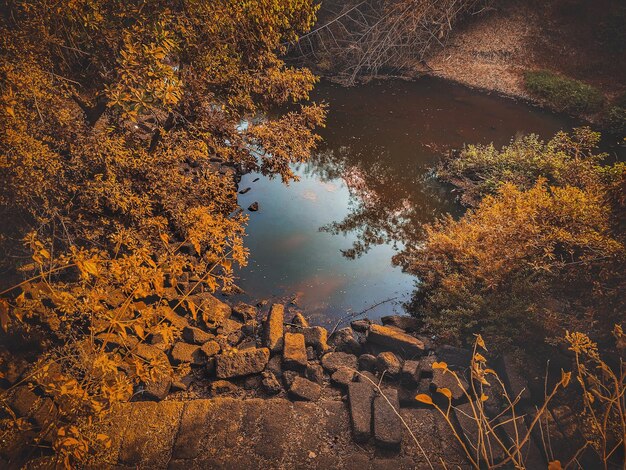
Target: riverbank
(494, 51)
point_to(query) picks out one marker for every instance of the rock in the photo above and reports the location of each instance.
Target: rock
(253, 382)
(360, 398)
(343, 341)
(114, 341)
(247, 343)
(250, 328)
(182, 383)
(46, 413)
(288, 377)
(173, 318)
(151, 353)
(214, 311)
(274, 328)
(445, 379)
(410, 373)
(514, 380)
(426, 366)
(315, 373)
(303, 389)
(367, 378)
(210, 367)
(393, 339)
(253, 207)
(23, 401)
(249, 361)
(187, 353)
(157, 390)
(244, 311)
(228, 327)
(299, 320)
(221, 387)
(367, 362)
(275, 366)
(361, 325)
(294, 352)
(234, 338)
(334, 360)
(317, 337)
(195, 335)
(271, 383)
(388, 363)
(343, 376)
(404, 322)
(311, 355)
(387, 424)
(456, 358)
(210, 348)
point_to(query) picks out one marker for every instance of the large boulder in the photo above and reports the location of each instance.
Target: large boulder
(249, 361)
(395, 340)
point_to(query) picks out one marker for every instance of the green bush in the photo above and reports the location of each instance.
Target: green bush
(615, 120)
(565, 94)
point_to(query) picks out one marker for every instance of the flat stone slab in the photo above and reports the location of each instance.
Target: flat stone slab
(396, 340)
(294, 352)
(274, 328)
(360, 398)
(273, 434)
(248, 361)
(387, 424)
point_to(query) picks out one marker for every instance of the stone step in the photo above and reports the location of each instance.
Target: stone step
(261, 433)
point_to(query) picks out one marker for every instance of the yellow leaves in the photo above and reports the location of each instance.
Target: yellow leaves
(555, 465)
(565, 378)
(446, 392)
(440, 365)
(484, 397)
(479, 358)
(481, 342)
(192, 308)
(4, 314)
(423, 398)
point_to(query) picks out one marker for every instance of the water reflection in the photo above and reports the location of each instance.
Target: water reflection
(368, 189)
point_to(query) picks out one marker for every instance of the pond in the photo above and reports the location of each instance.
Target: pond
(326, 242)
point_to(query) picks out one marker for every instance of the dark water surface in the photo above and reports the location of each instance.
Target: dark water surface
(368, 179)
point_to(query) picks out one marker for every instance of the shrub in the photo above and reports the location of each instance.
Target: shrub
(541, 260)
(564, 94)
(615, 120)
(564, 160)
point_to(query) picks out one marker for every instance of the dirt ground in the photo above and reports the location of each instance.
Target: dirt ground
(583, 39)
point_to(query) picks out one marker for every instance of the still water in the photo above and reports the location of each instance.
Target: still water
(326, 242)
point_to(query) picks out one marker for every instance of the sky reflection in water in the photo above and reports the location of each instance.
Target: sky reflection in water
(327, 240)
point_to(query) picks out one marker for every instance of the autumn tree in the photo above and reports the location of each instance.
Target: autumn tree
(123, 126)
(541, 251)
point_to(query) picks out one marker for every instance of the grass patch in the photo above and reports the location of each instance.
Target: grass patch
(565, 94)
